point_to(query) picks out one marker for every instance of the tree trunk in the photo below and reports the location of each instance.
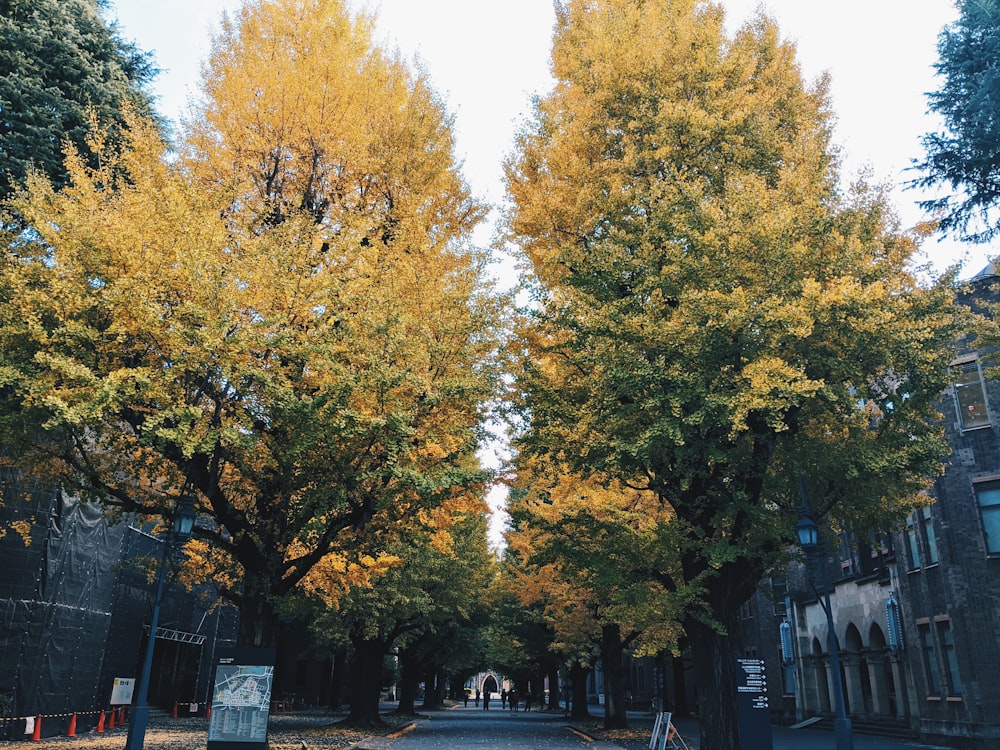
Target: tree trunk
(554, 696)
(258, 621)
(715, 665)
(366, 683)
(337, 679)
(409, 682)
(680, 705)
(440, 686)
(615, 716)
(578, 686)
(431, 702)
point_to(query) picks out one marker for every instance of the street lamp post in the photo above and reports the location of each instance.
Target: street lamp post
(180, 531)
(812, 545)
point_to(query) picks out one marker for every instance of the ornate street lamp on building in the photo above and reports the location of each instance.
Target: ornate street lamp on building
(812, 546)
(184, 518)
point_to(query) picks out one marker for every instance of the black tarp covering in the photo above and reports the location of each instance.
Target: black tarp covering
(74, 611)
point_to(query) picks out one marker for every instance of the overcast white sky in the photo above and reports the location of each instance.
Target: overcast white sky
(488, 58)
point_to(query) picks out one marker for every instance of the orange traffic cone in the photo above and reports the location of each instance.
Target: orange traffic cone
(124, 715)
(36, 733)
(100, 723)
(71, 732)
(173, 715)
(208, 710)
(111, 719)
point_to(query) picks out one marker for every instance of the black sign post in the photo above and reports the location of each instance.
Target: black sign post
(241, 699)
(751, 699)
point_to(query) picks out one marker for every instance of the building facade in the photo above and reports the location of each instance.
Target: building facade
(917, 613)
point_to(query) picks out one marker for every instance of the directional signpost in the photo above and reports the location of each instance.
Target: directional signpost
(754, 711)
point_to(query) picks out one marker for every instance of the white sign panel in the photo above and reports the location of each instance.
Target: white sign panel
(121, 691)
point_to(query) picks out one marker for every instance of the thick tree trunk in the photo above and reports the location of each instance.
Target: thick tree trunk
(578, 685)
(615, 716)
(715, 666)
(258, 621)
(366, 684)
(409, 682)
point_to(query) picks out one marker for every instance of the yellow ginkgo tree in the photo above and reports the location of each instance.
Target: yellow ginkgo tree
(281, 320)
(716, 312)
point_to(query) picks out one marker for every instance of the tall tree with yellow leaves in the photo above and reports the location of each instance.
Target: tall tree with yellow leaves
(714, 314)
(281, 322)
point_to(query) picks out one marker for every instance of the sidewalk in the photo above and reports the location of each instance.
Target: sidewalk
(784, 738)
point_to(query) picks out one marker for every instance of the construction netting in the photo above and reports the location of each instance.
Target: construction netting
(75, 603)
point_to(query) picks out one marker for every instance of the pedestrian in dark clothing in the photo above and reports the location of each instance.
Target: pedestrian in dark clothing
(477, 697)
(514, 698)
(528, 697)
(486, 701)
(503, 698)
(465, 697)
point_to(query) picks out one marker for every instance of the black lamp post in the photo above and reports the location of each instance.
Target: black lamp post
(180, 532)
(812, 545)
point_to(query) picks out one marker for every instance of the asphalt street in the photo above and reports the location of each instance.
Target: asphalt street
(477, 729)
(473, 728)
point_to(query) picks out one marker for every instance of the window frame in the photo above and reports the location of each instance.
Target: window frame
(929, 535)
(968, 376)
(928, 657)
(915, 562)
(980, 488)
(949, 657)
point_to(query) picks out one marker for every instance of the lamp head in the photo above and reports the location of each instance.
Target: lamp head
(808, 533)
(184, 519)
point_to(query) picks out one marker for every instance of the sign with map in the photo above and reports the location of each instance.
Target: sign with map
(241, 700)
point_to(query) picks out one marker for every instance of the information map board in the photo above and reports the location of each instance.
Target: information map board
(241, 699)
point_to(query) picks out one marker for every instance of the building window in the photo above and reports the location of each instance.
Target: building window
(929, 658)
(970, 395)
(912, 546)
(929, 537)
(745, 611)
(776, 590)
(947, 637)
(788, 679)
(988, 496)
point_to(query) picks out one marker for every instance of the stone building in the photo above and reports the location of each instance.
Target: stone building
(949, 564)
(917, 613)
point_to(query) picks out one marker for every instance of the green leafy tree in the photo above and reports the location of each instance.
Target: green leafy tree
(713, 313)
(964, 157)
(591, 554)
(424, 599)
(283, 323)
(61, 65)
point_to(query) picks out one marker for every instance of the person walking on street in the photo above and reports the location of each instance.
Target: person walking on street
(477, 697)
(503, 698)
(486, 700)
(528, 698)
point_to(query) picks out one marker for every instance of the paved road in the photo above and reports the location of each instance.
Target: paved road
(475, 729)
